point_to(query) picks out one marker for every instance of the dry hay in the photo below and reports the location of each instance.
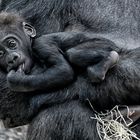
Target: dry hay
(113, 126)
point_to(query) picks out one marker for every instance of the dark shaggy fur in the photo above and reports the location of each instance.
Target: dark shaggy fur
(116, 20)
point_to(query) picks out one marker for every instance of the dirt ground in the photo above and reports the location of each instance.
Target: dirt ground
(18, 133)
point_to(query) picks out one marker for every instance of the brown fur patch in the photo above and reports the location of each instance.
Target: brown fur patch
(10, 19)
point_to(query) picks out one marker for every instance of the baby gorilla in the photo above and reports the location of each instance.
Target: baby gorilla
(42, 63)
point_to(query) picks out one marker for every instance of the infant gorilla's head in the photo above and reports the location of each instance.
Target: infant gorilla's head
(15, 42)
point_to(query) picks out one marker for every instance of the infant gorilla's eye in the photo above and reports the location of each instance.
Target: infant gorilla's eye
(11, 44)
(1, 53)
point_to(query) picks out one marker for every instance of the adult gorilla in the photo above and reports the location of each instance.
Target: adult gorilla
(65, 116)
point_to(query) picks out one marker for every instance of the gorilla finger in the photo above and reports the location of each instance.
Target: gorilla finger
(11, 73)
(112, 59)
(95, 74)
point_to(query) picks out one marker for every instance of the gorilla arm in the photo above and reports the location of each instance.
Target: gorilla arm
(57, 74)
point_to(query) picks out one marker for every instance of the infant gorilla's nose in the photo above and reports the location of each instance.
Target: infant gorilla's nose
(13, 59)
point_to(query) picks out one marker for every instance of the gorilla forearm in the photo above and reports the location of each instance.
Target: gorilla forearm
(52, 78)
(68, 40)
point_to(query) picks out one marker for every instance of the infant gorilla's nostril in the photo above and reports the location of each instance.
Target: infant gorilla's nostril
(13, 58)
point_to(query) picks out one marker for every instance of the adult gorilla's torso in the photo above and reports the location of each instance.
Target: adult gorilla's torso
(115, 20)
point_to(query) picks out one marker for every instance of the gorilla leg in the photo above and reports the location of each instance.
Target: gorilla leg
(86, 57)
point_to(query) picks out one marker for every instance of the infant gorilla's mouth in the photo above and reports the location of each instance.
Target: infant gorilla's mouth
(22, 67)
(24, 64)
(25, 67)
(16, 67)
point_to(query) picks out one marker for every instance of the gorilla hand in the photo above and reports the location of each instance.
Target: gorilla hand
(19, 82)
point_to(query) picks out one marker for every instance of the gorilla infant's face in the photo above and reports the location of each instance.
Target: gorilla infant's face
(15, 49)
(14, 54)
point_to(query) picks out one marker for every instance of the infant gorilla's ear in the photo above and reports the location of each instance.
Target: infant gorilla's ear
(29, 30)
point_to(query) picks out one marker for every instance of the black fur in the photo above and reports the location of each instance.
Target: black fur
(115, 20)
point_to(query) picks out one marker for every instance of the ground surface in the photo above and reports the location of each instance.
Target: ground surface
(18, 133)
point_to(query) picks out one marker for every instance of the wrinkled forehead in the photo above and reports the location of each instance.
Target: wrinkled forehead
(9, 31)
(3, 34)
